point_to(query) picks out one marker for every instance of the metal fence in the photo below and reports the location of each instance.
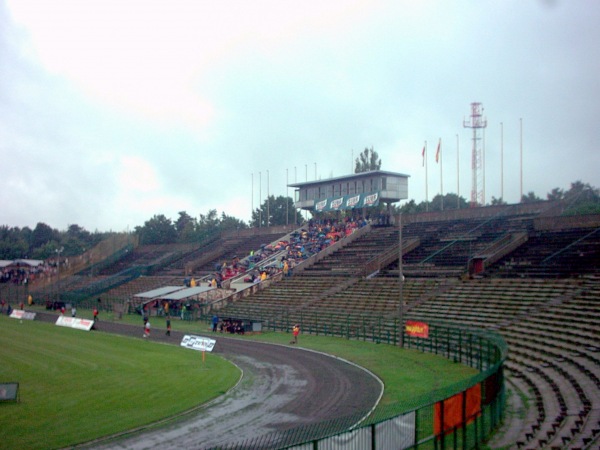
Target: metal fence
(461, 416)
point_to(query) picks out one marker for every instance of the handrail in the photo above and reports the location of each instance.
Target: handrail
(564, 249)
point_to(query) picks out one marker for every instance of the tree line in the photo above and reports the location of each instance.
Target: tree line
(43, 241)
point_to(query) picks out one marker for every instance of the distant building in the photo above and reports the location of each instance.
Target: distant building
(359, 190)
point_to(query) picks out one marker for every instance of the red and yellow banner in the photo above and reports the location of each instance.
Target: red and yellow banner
(417, 329)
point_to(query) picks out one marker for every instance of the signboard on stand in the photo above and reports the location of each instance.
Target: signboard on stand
(199, 343)
(74, 322)
(23, 315)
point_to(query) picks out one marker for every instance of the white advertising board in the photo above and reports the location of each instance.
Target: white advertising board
(200, 343)
(74, 322)
(20, 314)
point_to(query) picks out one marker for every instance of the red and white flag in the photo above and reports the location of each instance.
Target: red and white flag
(423, 155)
(437, 153)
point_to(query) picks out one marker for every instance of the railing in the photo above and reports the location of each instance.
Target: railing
(502, 247)
(359, 232)
(389, 256)
(109, 260)
(463, 415)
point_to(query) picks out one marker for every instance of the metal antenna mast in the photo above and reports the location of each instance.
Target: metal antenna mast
(476, 123)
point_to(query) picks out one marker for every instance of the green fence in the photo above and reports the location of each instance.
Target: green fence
(462, 416)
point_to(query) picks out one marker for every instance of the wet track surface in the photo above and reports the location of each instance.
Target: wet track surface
(282, 387)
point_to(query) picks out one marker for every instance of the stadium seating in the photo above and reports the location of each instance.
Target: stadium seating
(543, 297)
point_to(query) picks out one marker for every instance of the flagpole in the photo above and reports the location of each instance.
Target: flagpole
(502, 161)
(426, 187)
(521, 156)
(260, 199)
(483, 166)
(441, 174)
(457, 176)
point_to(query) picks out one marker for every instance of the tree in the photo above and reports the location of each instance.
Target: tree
(209, 222)
(281, 212)
(530, 198)
(13, 243)
(158, 230)
(184, 222)
(581, 193)
(582, 199)
(188, 233)
(451, 201)
(42, 234)
(497, 201)
(556, 194)
(410, 207)
(231, 223)
(367, 161)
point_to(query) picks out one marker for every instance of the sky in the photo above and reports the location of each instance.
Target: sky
(112, 112)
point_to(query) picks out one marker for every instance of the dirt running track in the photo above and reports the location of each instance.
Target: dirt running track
(281, 388)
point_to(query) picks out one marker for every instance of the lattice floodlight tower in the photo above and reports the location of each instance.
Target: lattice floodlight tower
(476, 123)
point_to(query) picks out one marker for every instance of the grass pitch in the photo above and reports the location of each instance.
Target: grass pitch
(77, 386)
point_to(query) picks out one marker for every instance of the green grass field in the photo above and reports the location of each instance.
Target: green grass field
(77, 386)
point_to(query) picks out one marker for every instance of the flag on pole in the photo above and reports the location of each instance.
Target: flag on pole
(423, 155)
(437, 153)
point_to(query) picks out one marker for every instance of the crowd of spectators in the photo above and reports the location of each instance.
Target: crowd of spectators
(231, 326)
(308, 241)
(22, 273)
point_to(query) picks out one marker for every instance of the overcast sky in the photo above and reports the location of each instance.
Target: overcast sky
(114, 111)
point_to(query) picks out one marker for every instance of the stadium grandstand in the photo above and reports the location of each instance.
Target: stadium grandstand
(524, 271)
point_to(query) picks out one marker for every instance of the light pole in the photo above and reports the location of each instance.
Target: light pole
(58, 252)
(400, 285)
(259, 199)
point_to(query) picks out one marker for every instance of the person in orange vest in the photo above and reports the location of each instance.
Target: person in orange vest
(295, 333)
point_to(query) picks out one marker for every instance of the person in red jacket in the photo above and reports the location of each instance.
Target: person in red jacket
(295, 333)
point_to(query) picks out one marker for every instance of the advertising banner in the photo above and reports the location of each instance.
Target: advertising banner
(336, 204)
(202, 344)
(417, 329)
(371, 199)
(321, 206)
(74, 322)
(352, 202)
(449, 413)
(20, 314)
(347, 202)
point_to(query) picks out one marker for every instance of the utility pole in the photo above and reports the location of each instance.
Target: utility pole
(400, 285)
